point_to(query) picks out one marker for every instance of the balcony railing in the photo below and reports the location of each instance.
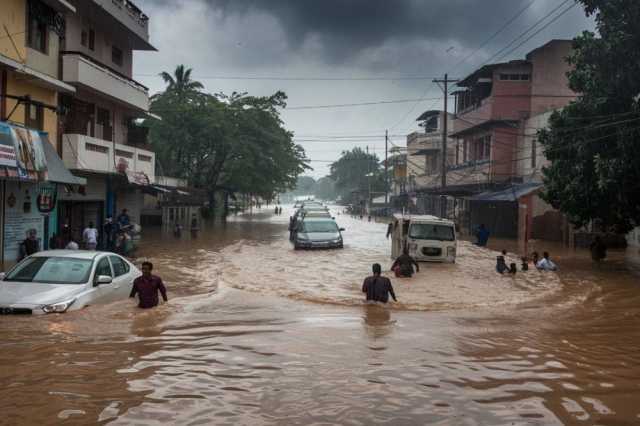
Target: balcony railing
(80, 152)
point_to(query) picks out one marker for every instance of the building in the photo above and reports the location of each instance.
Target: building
(32, 175)
(494, 173)
(100, 140)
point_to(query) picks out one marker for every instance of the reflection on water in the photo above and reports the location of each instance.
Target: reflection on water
(464, 346)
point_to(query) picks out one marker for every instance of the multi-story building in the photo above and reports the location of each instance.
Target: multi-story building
(497, 163)
(31, 36)
(100, 139)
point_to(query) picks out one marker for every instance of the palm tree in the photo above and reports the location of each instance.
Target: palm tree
(181, 81)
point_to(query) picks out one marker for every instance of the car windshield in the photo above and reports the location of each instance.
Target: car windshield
(423, 231)
(51, 270)
(313, 227)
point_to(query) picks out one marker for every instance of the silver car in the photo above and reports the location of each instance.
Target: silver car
(65, 280)
(315, 233)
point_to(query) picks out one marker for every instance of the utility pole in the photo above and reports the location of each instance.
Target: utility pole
(445, 124)
(386, 168)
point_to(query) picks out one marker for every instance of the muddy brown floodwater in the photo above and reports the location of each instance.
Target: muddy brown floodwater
(256, 333)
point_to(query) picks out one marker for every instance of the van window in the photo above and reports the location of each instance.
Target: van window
(423, 231)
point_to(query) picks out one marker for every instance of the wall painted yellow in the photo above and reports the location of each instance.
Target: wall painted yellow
(13, 20)
(19, 85)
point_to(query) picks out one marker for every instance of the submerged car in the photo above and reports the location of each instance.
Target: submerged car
(65, 280)
(318, 233)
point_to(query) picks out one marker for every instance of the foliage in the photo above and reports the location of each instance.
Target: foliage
(593, 144)
(357, 172)
(326, 189)
(234, 143)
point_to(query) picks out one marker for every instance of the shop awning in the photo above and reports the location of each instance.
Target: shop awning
(513, 193)
(427, 151)
(56, 170)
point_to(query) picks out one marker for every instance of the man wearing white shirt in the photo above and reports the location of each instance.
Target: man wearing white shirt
(546, 264)
(90, 237)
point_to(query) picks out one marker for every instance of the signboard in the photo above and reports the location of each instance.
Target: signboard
(47, 197)
(21, 152)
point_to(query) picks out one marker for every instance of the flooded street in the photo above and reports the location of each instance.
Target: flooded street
(257, 333)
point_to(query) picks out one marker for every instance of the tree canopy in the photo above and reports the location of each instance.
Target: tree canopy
(357, 171)
(592, 144)
(234, 143)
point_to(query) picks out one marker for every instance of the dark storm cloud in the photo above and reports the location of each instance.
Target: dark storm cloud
(342, 27)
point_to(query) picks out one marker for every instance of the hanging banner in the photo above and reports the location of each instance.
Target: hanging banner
(47, 197)
(21, 152)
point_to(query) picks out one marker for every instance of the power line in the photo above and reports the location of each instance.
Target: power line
(220, 77)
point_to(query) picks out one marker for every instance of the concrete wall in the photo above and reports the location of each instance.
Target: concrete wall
(106, 36)
(132, 200)
(14, 18)
(528, 137)
(550, 89)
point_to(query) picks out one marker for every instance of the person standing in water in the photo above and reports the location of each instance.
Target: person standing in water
(377, 287)
(194, 226)
(147, 287)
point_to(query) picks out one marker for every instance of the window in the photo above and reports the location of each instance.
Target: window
(103, 120)
(84, 38)
(515, 77)
(92, 40)
(38, 34)
(423, 231)
(125, 154)
(482, 149)
(34, 116)
(103, 268)
(145, 158)
(96, 148)
(116, 56)
(51, 270)
(120, 267)
(534, 153)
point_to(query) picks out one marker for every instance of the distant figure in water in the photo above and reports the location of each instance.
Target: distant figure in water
(501, 265)
(482, 236)
(194, 226)
(598, 249)
(535, 257)
(389, 230)
(403, 266)
(377, 287)
(525, 264)
(546, 264)
(504, 253)
(369, 218)
(513, 269)
(177, 230)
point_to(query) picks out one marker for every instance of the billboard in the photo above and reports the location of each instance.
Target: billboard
(21, 153)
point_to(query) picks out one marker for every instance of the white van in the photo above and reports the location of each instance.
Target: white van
(428, 238)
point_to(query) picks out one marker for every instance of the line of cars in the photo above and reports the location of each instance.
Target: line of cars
(58, 281)
(313, 227)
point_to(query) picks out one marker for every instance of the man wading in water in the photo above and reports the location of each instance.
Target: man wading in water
(147, 287)
(378, 287)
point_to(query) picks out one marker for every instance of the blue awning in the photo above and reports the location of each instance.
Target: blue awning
(513, 193)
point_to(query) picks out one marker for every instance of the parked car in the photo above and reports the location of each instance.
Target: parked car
(65, 280)
(318, 233)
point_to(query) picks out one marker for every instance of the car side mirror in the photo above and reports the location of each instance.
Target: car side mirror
(103, 280)
(342, 229)
(2, 275)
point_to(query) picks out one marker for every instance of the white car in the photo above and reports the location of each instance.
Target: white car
(65, 280)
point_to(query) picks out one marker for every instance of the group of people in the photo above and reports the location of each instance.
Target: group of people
(378, 288)
(544, 264)
(278, 211)
(195, 228)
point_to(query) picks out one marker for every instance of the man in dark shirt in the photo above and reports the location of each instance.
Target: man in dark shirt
(378, 287)
(403, 266)
(147, 287)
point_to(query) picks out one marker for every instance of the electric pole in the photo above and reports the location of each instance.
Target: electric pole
(445, 124)
(386, 168)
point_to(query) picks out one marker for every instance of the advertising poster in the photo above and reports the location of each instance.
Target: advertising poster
(29, 153)
(21, 215)
(7, 147)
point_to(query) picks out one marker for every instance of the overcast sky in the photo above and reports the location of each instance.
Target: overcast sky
(388, 49)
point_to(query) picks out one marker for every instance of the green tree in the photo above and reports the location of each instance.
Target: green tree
(326, 189)
(592, 144)
(357, 171)
(223, 144)
(181, 82)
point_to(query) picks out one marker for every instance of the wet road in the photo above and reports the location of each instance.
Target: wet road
(256, 333)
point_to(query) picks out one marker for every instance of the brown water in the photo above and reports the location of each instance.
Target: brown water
(256, 333)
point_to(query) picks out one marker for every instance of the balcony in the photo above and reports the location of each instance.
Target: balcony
(128, 15)
(79, 70)
(471, 173)
(80, 152)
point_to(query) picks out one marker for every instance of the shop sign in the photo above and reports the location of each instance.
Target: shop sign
(47, 197)
(21, 152)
